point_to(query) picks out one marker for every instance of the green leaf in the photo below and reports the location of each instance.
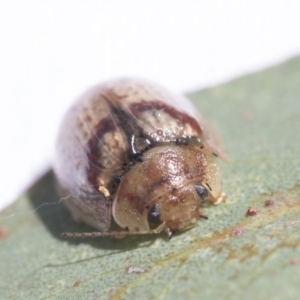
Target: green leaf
(228, 256)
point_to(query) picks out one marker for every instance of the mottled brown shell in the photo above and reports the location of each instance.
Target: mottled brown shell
(127, 145)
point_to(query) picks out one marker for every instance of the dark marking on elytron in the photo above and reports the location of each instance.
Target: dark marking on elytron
(116, 180)
(132, 131)
(135, 155)
(127, 123)
(87, 118)
(142, 106)
(93, 153)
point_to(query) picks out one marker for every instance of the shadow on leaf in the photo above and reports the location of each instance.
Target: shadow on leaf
(50, 209)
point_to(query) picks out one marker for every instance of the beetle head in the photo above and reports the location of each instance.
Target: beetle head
(168, 187)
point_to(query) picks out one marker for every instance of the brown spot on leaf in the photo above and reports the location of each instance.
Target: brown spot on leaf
(247, 116)
(251, 212)
(244, 253)
(237, 232)
(294, 262)
(77, 284)
(269, 203)
(3, 233)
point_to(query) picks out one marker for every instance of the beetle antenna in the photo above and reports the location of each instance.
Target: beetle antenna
(116, 234)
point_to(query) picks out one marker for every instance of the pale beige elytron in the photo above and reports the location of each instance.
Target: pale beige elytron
(130, 150)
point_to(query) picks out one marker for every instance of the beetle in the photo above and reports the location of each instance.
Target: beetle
(132, 151)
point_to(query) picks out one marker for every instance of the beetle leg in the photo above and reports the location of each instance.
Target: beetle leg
(203, 216)
(169, 232)
(222, 197)
(158, 229)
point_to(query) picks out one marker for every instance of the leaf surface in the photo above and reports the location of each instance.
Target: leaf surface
(228, 256)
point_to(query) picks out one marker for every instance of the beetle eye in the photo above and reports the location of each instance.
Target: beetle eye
(154, 214)
(202, 192)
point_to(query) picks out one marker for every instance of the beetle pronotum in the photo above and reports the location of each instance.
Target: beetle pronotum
(130, 150)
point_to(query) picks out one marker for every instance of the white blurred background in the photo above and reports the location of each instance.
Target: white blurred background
(52, 51)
